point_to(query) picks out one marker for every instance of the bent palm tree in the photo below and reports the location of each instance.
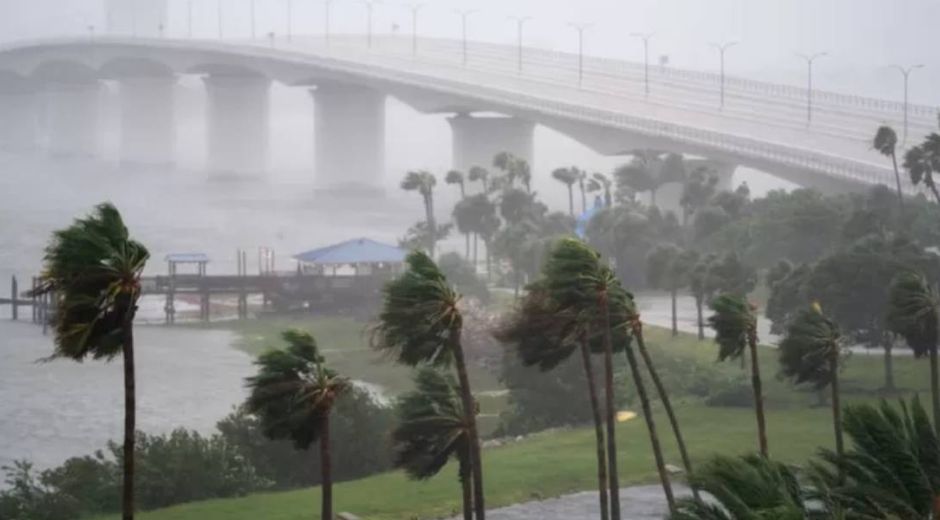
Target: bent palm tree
(886, 142)
(810, 353)
(293, 395)
(600, 182)
(423, 182)
(922, 161)
(568, 177)
(93, 268)
(432, 429)
(735, 326)
(546, 335)
(480, 174)
(421, 324)
(913, 313)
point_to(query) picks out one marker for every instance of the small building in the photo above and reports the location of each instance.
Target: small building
(357, 257)
(176, 260)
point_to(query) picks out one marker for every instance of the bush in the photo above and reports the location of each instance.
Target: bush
(735, 393)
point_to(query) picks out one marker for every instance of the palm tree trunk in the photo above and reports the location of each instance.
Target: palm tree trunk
(326, 472)
(598, 431)
(469, 406)
(888, 345)
(675, 319)
(130, 419)
(466, 486)
(613, 479)
(935, 388)
(475, 251)
(836, 407)
(467, 246)
(701, 320)
(758, 395)
(651, 427)
(583, 198)
(897, 179)
(667, 404)
(571, 200)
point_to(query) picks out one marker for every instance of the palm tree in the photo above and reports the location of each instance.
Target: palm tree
(582, 176)
(913, 313)
(567, 176)
(578, 282)
(293, 394)
(669, 267)
(423, 182)
(886, 142)
(476, 174)
(546, 335)
(432, 429)
(702, 286)
(457, 178)
(922, 161)
(735, 324)
(420, 323)
(810, 353)
(93, 269)
(600, 182)
(748, 487)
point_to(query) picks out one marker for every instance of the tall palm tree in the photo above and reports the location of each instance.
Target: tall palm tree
(481, 175)
(913, 313)
(922, 161)
(600, 182)
(886, 142)
(93, 268)
(420, 323)
(810, 353)
(432, 429)
(735, 324)
(702, 286)
(568, 177)
(669, 267)
(546, 335)
(293, 394)
(577, 281)
(423, 182)
(456, 177)
(582, 176)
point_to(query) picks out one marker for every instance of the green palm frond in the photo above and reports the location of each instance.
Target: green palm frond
(431, 427)
(885, 141)
(93, 267)
(733, 320)
(543, 334)
(810, 342)
(419, 317)
(912, 312)
(293, 390)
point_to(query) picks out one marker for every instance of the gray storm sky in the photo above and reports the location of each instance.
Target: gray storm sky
(863, 37)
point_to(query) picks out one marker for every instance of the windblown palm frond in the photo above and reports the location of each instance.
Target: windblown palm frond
(93, 267)
(745, 488)
(912, 312)
(732, 321)
(810, 342)
(419, 316)
(293, 390)
(432, 426)
(885, 141)
(543, 335)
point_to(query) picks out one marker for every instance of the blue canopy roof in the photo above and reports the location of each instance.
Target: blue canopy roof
(187, 258)
(356, 251)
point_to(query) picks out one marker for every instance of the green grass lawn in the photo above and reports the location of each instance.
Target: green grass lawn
(559, 462)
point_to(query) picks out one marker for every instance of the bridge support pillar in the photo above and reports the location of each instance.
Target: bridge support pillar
(148, 120)
(349, 137)
(238, 124)
(478, 139)
(71, 118)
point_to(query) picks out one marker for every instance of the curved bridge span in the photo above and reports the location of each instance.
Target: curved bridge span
(604, 104)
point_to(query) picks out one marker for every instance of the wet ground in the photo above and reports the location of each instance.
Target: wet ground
(636, 503)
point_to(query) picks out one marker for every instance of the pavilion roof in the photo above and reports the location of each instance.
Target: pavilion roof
(356, 251)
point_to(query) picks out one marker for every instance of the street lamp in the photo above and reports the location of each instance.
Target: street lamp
(328, 4)
(253, 19)
(370, 5)
(189, 17)
(414, 27)
(219, 13)
(906, 72)
(646, 59)
(810, 60)
(722, 48)
(520, 22)
(290, 20)
(580, 28)
(464, 14)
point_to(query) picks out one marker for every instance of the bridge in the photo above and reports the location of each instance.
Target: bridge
(494, 96)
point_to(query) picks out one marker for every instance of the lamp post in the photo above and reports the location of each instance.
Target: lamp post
(520, 22)
(464, 14)
(722, 48)
(290, 20)
(189, 18)
(906, 72)
(646, 60)
(219, 15)
(810, 60)
(580, 28)
(253, 19)
(414, 27)
(370, 5)
(328, 4)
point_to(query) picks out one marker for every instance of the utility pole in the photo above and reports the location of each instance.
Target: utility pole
(290, 20)
(253, 19)
(810, 60)
(189, 17)
(580, 28)
(646, 60)
(464, 14)
(520, 22)
(219, 13)
(722, 48)
(326, 21)
(906, 72)
(370, 6)
(414, 27)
